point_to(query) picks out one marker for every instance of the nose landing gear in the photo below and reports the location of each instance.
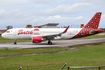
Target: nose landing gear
(15, 42)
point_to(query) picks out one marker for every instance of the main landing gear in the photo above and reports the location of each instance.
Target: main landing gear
(15, 42)
(49, 42)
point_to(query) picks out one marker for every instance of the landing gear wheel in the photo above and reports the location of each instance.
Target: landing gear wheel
(49, 42)
(15, 42)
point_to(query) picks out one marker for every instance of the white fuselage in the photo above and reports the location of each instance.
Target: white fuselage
(28, 33)
(41, 34)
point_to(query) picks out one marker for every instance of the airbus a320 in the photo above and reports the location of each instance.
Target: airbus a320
(38, 35)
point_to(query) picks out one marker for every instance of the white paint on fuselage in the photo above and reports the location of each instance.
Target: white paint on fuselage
(13, 33)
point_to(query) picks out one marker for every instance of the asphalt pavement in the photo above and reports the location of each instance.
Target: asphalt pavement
(56, 43)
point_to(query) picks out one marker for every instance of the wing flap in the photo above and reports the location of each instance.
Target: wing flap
(55, 35)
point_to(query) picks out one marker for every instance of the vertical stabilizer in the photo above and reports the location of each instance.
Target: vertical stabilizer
(91, 27)
(94, 21)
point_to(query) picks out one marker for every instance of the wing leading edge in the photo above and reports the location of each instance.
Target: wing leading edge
(50, 37)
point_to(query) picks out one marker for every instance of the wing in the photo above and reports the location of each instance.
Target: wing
(51, 37)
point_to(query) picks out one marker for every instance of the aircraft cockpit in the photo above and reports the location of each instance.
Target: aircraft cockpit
(7, 34)
(7, 31)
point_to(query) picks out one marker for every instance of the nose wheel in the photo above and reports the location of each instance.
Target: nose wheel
(15, 42)
(49, 42)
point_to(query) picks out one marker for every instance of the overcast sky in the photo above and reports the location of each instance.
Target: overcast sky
(19, 13)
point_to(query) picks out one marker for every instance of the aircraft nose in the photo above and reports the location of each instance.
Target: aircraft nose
(2, 35)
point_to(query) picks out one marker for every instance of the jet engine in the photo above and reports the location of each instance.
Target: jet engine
(37, 39)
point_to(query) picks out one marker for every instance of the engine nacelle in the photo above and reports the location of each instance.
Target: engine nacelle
(37, 39)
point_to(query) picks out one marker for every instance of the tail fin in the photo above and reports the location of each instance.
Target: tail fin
(91, 27)
(94, 21)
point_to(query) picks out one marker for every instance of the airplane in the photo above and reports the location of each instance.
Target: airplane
(39, 35)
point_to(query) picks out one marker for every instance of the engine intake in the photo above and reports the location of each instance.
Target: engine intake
(37, 39)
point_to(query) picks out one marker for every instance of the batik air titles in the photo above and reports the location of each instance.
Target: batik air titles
(37, 35)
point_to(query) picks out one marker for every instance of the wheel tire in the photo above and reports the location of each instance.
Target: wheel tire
(15, 43)
(49, 42)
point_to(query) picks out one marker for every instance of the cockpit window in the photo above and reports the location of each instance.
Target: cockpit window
(7, 31)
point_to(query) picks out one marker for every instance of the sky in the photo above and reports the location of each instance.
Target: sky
(19, 13)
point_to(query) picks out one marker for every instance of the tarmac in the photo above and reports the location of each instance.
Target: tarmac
(56, 43)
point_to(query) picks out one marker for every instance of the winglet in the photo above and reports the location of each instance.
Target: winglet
(66, 29)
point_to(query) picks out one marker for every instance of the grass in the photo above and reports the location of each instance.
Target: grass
(6, 52)
(3, 40)
(88, 55)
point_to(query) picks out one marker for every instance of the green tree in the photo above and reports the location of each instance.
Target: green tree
(9, 27)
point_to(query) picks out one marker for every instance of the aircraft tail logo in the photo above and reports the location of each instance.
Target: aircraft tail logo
(91, 27)
(94, 21)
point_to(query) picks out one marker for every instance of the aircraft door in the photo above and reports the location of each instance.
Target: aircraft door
(15, 35)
